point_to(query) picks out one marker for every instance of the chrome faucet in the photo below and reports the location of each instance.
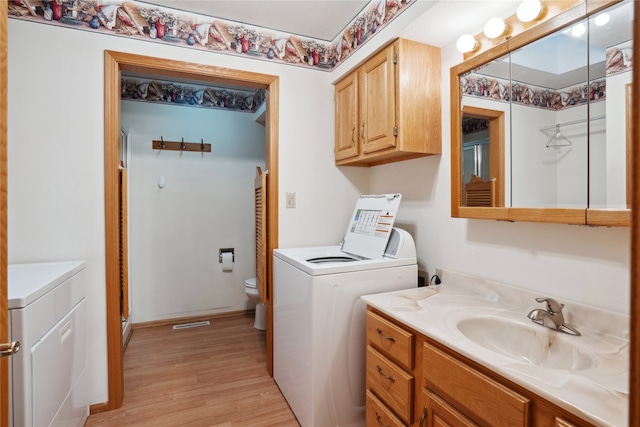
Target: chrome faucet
(551, 317)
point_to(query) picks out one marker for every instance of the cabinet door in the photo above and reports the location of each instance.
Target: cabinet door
(378, 102)
(440, 414)
(346, 100)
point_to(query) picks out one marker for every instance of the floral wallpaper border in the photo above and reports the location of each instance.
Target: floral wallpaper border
(164, 92)
(142, 21)
(618, 60)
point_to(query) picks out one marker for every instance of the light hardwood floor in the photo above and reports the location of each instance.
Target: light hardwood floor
(206, 376)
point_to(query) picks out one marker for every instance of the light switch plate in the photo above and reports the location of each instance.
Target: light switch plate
(291, 200)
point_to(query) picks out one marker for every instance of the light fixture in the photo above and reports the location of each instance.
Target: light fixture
(578, 30)
(602, 19)
(529, 10)
(466, 43)
(495, 27)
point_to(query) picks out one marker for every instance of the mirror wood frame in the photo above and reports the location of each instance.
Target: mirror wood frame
(581, 216)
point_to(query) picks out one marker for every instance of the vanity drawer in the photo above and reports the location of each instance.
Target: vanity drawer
(392, 340)
(378, 414)
(390, 383)
(473, 393)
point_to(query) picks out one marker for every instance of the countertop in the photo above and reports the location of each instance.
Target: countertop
(28, 282)
(597, 392)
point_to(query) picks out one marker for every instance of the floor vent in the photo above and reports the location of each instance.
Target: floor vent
(192, 325)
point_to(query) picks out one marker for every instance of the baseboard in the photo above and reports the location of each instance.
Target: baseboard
(98, 408)
(178, 320)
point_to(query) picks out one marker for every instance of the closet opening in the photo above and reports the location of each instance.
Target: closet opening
(117, 63)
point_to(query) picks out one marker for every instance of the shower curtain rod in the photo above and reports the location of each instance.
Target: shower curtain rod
(575, 122)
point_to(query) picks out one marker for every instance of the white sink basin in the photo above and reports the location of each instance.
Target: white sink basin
(530, 343)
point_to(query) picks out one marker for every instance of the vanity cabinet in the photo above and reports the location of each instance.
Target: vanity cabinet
(390, 378)
(412, 380)
(388, 109)
(488, 402)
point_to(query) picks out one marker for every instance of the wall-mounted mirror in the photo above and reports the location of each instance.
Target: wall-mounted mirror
(559, 91)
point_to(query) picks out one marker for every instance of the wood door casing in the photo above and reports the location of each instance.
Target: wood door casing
(114, 63)
(4, 306)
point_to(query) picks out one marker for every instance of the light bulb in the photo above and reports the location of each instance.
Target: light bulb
(494, 27)
(529, 10)
(578, 30)
(466, 43)
(602, 19)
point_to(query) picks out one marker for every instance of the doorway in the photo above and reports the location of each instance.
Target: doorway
(115, 63)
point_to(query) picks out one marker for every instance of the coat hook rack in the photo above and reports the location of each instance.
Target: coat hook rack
(181, 145)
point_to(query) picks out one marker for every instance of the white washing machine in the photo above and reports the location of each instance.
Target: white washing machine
(319, 320)
(47, 314)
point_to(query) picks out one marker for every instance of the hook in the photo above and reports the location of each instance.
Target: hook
(182, 146)
(162, 142)
(201, 144)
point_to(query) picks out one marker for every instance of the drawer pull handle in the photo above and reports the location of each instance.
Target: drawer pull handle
(386, 337)
(380, 422)
(424, 416)
(389, 377)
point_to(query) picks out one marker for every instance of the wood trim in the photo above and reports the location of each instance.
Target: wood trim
(496, 146)
(115, 62)
(500, 214)
(628, 97)
(565, 16)
(124, 242)
(272, 127)
(112, 229)
(610, 218)
(634, 374)
(4, 306)
(456, 139)
(98, 408)
(549, 215)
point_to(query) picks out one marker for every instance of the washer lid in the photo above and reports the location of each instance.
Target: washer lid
(370, 225)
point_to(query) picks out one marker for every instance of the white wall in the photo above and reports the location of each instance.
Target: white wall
(206, 204)
(56, 177)
(585, 264)
(56, 155)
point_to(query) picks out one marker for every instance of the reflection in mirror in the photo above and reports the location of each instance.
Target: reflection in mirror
(549, 111)
(485, 112)
(610, 41)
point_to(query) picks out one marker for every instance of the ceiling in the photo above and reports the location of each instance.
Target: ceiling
(316, 19)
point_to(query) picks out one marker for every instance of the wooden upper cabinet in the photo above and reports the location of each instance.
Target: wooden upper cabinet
(377, 79)
(346, 99)
(389, 108)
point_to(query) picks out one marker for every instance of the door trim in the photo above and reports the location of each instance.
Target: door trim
(4, 306)
(114, 63)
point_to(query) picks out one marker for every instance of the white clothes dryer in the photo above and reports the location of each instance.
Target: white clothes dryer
(319, 321)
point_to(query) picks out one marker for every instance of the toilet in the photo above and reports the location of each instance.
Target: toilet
(261, 314)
